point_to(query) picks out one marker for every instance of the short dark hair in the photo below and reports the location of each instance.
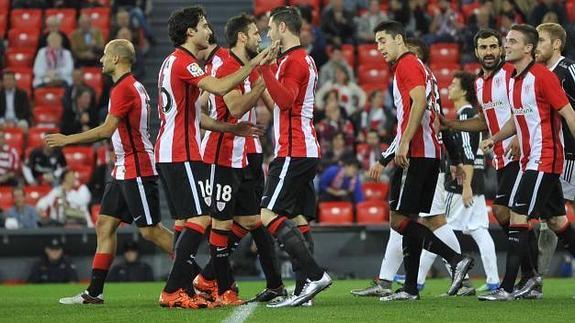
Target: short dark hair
(235, 25)
(486, 33)
(288, 15)
(530, 35)
(467, 82)
(421, 46)
(350, 160)
(181, 20)
(391, 27)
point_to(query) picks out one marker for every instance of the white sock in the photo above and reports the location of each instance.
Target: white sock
(393, 256)
(445, 234)
(488, 256)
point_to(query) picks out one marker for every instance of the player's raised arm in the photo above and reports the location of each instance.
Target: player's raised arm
(239, 103)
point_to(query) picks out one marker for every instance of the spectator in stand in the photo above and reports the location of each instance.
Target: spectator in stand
(53, 26)
(138, 68)
(82, 115)
(366, 22)
(44, 166)
(262, 23)
(14, 103)
(139, 13)
(53, 65)
(318, 42)
(307, 39)
(351, 96)
(9, 163)
(101, 174)
(334, 123)
(481, 19)
(132, 269)
(372, 153)
(327, 71)
(67, 204)
(53, 267)
(341, 182)
(78, 85)
(412, 14)
(376, 117)
(87, 43)
(21, 215)
(123, 21)
(545, 6)
(337, 149)
(337, 24)
(444, 25)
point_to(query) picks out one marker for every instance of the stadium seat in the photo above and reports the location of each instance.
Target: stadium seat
(5, 5)
(93, 77)
(372, 212)
(23, 79)
(15, 138)
(34, 193)
(67, 17)
(263, 6)
(36, 136)
(20, 57)
(570, 9)
(100, 16)
(375, 191)
(335, 213)
(26, 18)
(83, 173)
(368, 74)
(444, 53)
(95, 212)
(367, 54)
(3, 23)
(6, 197)
(47, 116)
(23, 38)
(444, 73)
(473, 68)
(445, 102)
(49, 96)
(79, 156)
(370, 87)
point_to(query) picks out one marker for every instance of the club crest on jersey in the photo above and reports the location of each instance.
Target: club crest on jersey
(208, 200)
(221, 206)
(195, 70)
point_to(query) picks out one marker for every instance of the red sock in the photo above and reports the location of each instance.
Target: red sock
(102, 261)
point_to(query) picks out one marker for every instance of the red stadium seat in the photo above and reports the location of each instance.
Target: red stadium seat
(5, 5)
(444, 73)
(23, 79)
(67, 17)
(15, 138)
(20, 57)
(23, 38)
(49, 96)
(100, 16)
(444, 53)
(82, 156)
(36, 136)
(26, 18)
(34, 193)
(263, 6)
(372, 212)
(445, 102)
(6, 197)
(48, 116)
(570, 9)
(83, 173)
(3, 23)
(336, 213)
(368, 74)
(375, 191)
(95, 212)
(473, 68)
(93, 77)
(369, 55)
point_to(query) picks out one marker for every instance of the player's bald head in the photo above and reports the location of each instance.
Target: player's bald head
(122, 48)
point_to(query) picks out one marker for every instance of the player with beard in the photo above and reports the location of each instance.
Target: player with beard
(493, 99)
(178, 155)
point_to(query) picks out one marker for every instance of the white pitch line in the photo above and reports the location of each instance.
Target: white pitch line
(242, 312)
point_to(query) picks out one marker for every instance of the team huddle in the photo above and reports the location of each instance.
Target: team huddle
(215, 186)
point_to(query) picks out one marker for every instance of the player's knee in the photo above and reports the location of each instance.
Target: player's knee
(148, 233)
(248, 222)
(501, 213)
(433, 223)
(105, 227)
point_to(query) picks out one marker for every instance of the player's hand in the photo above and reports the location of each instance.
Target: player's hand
(375, 171)
(401, 159)
(513, 150)
(271, 54)
(487, 145)
(457, 173)
(56, 140)
(443, 122)
(247, 129)
(467, 195)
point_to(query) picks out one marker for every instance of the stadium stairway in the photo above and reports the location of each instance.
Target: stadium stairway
(218, 12)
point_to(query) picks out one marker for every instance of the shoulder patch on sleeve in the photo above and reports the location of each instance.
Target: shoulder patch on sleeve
(195, 70)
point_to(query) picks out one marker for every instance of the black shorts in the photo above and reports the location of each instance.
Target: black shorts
(232, 193)
(506, 177)
(539, 195)
(185, 188)
(412, 189)
(289, 189)
(132, 200)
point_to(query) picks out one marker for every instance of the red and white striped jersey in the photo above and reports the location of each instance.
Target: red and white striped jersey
(536, 97)
(179, 108)
(493, 97)
(215, 60)
(294, 133)
(9, 160)
(410, 72)
(226, 149)
(253, 144)
(134, 151)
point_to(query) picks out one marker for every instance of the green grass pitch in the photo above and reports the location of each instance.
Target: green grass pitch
(137, 302)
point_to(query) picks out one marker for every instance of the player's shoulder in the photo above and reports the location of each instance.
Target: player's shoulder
(507, 68)
(567, 63)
